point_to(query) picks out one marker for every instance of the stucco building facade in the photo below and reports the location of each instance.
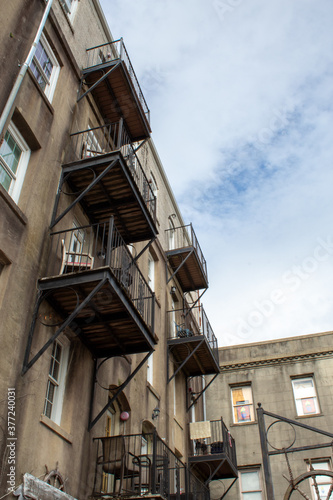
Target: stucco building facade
(290, 378)
(104, 340)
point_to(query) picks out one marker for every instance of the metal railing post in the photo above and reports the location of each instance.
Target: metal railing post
(120, 133)
(109, 244)
(265, 456)
(153, 472)
(121, 49)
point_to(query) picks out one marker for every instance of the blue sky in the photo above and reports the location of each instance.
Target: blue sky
(241, 97)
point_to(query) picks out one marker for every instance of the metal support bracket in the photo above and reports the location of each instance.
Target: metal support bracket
(28, 364)
(55, 219)
(195, 303)
(98, 82)
(179, 267)
(200, 393)
(224, 494)
(119, 390)
(184, 362)
(145, 248)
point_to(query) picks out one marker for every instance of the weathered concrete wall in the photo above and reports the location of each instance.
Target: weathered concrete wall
(269, 368)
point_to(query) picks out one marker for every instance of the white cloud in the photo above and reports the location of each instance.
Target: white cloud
(241, 109)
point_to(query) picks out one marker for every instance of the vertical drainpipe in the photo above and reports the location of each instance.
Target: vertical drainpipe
(204, 398)
(9, 104)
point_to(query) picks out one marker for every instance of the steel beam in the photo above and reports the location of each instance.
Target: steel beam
(98, 81)
(185, 361)
(119, 390)
(28, 364)
(81, 195)
(265, 456)
(179, 267)
(201, 392)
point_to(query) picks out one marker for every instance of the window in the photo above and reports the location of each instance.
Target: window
(322, 483)
(56, 382)
(45, 67)
(250, 485)
(305, 396)
(171, 235)
(151, 272)
(69, 7)
(91, 146)
(153, 189)
(14, 158)
(150, 368)
(242, 404)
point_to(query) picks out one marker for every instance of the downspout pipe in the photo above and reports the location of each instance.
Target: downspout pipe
(9, 104)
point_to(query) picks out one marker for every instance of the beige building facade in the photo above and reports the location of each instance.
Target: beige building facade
(290, 378)
(105, 345)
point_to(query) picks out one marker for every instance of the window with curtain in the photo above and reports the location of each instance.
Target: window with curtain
(305, 395)
(242, 404)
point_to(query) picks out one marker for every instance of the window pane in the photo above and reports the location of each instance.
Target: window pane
(38, 75)
(5, 179)
(10, 152)
(48, 408)
(242, 403)
(250, 481)
(323, 491)
(252, 496)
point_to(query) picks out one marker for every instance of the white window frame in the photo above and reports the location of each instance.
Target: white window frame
(150, 369)
(17, 179)
(320, 464)
(242, 410)
(151, 272)
(58, 384)
(306, 399)
(52, 81)
(171, 235)
(69, 7)
(243, 492)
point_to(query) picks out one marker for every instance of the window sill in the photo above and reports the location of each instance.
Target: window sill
(153, 391)
(12, 205)
(178, 423)
(56, 429)
(300, 417)
(243, 424)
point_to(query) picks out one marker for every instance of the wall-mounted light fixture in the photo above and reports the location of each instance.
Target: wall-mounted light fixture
(156, 412)
(173, 293)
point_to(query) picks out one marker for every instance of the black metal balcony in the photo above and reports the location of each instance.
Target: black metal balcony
(105, 175)
(139, 466)
(110, 77)
(92, 275)
(186, 259)
(192, 342)
(214, 451)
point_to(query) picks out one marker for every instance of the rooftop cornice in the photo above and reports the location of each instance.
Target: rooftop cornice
(275, 361)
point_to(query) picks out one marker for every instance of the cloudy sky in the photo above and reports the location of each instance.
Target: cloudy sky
(241, 97)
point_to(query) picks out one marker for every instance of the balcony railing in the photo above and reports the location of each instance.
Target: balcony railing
(98, 141)
(99, 245)
(189, 322)
(136, 465)
(112, 52)
(216, 440)
(184, 237)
